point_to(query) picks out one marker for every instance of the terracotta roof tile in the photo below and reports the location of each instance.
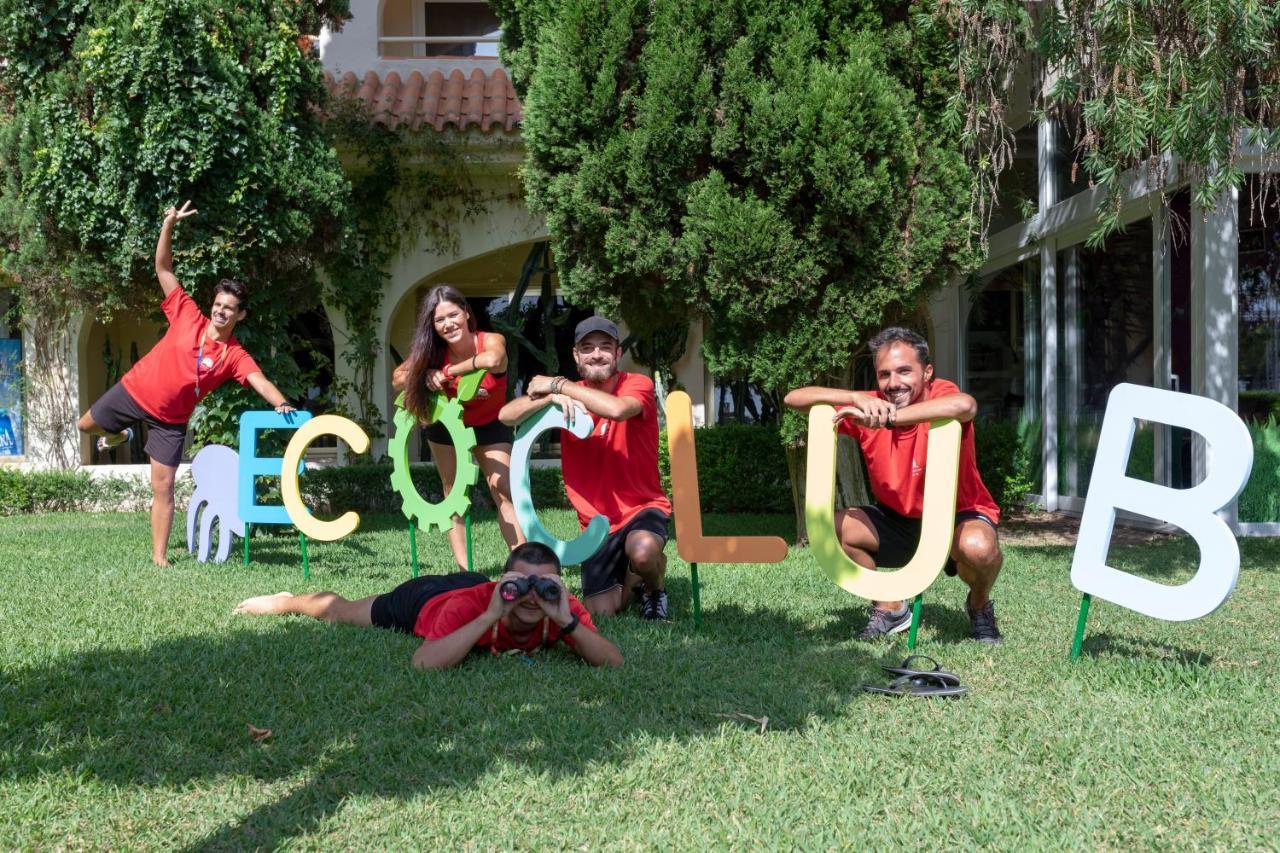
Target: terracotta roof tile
(479, 100)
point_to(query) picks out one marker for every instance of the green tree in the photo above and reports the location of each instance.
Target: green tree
(113, 111)
(778, 170)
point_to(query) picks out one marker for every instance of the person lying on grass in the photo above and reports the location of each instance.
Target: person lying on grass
(456, 613)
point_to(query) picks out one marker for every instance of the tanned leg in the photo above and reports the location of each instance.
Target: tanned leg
(162, 477)
(978, 559)
(495, 463)
(325, 606)
(447, 464)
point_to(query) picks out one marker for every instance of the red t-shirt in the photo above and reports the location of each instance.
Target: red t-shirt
(479, 410)
(449, 611)
(896, 457)
(163, 382)
(614, 471)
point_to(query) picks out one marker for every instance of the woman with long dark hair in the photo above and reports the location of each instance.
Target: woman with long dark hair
(446, 345)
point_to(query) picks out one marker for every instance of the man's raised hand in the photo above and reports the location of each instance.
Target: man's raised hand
(176, 214)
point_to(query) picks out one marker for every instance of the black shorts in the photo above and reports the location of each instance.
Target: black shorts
(117, 409)
(900, 535)
(494, 432)
(398, 610)
(607, 567)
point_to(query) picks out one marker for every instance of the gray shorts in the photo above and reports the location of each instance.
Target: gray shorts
(117, 409)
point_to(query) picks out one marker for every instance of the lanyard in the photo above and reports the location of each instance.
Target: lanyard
(200, 358)
(493, 639)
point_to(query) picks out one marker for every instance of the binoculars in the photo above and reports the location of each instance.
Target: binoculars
(544, 587)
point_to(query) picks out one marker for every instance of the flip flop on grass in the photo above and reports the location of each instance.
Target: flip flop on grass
(923, 684)
(935, 671)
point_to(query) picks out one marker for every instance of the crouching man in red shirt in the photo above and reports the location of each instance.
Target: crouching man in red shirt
(891, 425)
(456, 613)
(612, 472)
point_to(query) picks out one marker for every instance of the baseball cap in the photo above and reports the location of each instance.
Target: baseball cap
(595, 324)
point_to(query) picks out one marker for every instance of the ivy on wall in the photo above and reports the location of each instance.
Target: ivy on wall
(112, 111)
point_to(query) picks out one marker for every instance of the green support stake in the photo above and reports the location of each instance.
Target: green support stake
(413, 545)
(697, 597)
(248, 531)
(915, 623)
(1078, 644)
(306, 565)
(466, 519)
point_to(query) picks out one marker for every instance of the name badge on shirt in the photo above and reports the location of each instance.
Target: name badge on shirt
(206, 362)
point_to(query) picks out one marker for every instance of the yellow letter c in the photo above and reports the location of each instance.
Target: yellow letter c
(291, 495)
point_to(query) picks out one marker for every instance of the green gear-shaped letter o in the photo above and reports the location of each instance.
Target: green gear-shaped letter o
(440, 516)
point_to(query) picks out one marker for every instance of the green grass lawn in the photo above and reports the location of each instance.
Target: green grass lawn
(127, 691)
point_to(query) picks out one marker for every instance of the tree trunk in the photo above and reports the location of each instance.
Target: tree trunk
(797, 464)
(851, 482)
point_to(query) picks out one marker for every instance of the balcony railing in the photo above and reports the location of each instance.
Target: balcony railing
(427, 41)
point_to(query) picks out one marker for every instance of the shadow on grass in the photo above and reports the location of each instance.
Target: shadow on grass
(350, 717)
(1106, 644)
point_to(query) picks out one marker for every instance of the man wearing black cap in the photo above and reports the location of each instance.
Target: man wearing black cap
(612, 472)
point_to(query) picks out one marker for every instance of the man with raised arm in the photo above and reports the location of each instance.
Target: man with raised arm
(891, 425)
(613, 472)
(457, 613)
(195, 356)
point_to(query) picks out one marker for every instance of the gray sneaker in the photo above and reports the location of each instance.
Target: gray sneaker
(884, 623)
(655, 606)
(982, 623)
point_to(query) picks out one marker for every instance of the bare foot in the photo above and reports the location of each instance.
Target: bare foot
(263, 605)
(162, 562)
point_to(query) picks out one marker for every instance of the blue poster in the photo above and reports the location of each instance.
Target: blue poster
(10, 396)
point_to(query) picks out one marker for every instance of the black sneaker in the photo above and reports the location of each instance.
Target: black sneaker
(884, 623)
(982, 623)
(655, 606)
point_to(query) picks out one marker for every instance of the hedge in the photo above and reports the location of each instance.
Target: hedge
(741, 468)
(55, 491)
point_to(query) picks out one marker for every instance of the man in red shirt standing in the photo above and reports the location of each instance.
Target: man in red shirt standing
(892, 427)
(195, 356)
(456, 613)
(613, 472)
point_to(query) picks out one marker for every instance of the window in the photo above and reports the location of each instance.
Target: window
(1018, 187)
(473, 19)
(1070, 176)
(427, 28)
(742, 402)
(1002, 360)
(1003, 370)
(11, 443)
(1259, 347)
(1106, 325)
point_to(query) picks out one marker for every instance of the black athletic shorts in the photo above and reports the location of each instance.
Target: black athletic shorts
(607, 568)
(494, 432)
(398, 609)
(900, 535)
(117, 409)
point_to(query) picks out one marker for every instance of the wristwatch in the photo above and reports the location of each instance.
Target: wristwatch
(573, 624)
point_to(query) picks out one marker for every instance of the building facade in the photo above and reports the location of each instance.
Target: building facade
(1183, 299)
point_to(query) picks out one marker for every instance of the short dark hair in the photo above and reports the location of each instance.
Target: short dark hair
(534, 554)
(898, 334)
(236, 289)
